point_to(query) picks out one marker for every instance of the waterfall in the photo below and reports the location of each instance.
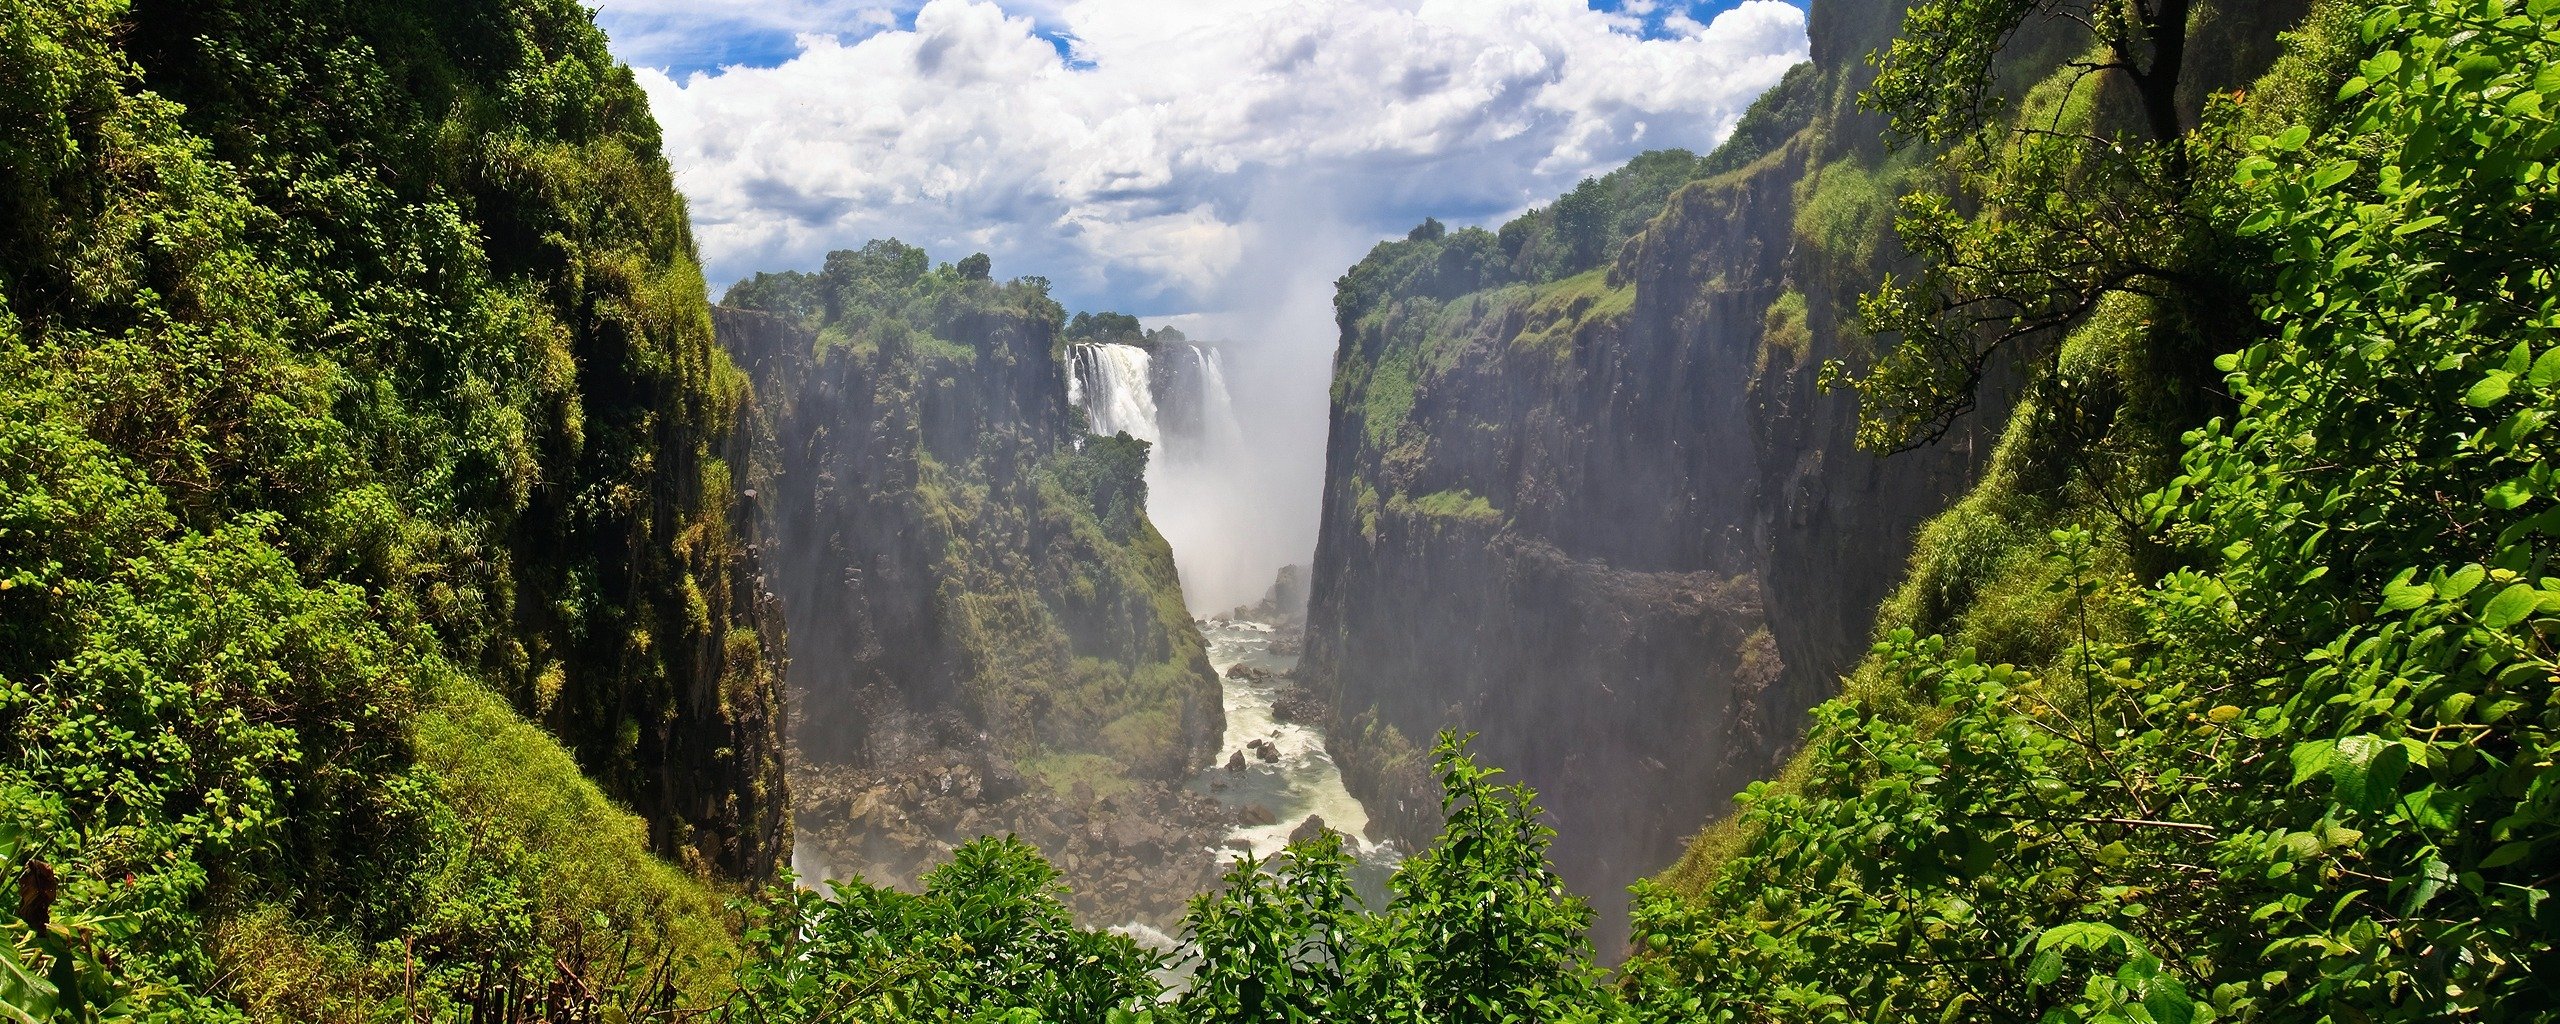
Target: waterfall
(1114, 385)
(1176, 397)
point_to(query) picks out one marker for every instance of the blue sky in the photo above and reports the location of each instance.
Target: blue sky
(682, 38)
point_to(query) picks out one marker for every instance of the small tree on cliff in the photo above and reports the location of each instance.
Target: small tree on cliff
(2050, 212)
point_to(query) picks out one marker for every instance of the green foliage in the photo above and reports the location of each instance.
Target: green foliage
(356, 360)
(1476, 929)
(1104, 327)
(1110, 474)
(1459, 506)
(1845, 209)
(988, 941)
(1938, 79)
(2306, 778)
(2055, 208)
(1583, 228)
(1787, 108)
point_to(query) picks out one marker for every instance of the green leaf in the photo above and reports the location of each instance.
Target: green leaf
(2169, 1004)
(2546, 370)
(2505, 855)
(2088, 935)
(2461, 582)
(2330, 175)
(2510, 606)
(2415, 226)
(2292, 138)
(24, 997)
(2490, 390)
(2367, 769)
(2312, 758)
(2400, 595)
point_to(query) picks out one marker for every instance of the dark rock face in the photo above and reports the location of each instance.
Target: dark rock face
(1610, 523)
(948, 594)
(1619, 534)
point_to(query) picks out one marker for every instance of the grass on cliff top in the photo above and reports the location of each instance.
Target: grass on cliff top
(1558, 313)
(1460, 506)
(1425, 338)
(524, 849)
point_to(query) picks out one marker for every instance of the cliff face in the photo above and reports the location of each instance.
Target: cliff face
(972, 585)
(1610, 521)
(369, 560)
(1617, 531)
(596, 567)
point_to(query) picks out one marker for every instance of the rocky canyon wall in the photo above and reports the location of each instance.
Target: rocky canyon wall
(986, 628)
(1609, 520)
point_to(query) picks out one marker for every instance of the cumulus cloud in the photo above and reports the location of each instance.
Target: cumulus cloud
(1126, 169)
(1218, 161)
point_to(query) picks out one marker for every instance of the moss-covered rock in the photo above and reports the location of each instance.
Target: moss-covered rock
(965, 572)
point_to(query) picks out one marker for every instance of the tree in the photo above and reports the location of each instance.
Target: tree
(1104, 327)
(2049, 215)
(975, 267)
(1937, 80)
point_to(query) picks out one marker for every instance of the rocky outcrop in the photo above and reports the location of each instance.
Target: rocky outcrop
(965, 577)
(1284, 606)
(1137, 854)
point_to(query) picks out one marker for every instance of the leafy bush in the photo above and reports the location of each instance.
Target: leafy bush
(357, 369)
(1476, 929)
(2306, 783)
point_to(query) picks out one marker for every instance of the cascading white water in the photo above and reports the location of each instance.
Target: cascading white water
(1114, 385)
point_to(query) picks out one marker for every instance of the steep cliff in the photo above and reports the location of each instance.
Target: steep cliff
(972, 583)
(1600, 509)
(373, 595)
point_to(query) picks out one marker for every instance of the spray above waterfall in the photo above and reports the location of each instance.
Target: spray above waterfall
(1172, 392)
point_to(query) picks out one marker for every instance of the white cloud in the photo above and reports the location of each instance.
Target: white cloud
(1223, 161)
(1130, 180)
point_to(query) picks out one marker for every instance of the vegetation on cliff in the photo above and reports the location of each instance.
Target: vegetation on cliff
(2297, 774)
(336, 457)
(1048, 611)
(361, 412)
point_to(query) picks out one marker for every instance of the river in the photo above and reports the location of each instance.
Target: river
(1304, 781)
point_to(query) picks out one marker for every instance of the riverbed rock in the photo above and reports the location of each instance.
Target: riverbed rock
(1136, 856)
(1235, 761)
(1312, 827)
(1256, 816)
(1297, 704)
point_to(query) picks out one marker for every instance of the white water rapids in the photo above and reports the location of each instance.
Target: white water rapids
(1305, 781)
